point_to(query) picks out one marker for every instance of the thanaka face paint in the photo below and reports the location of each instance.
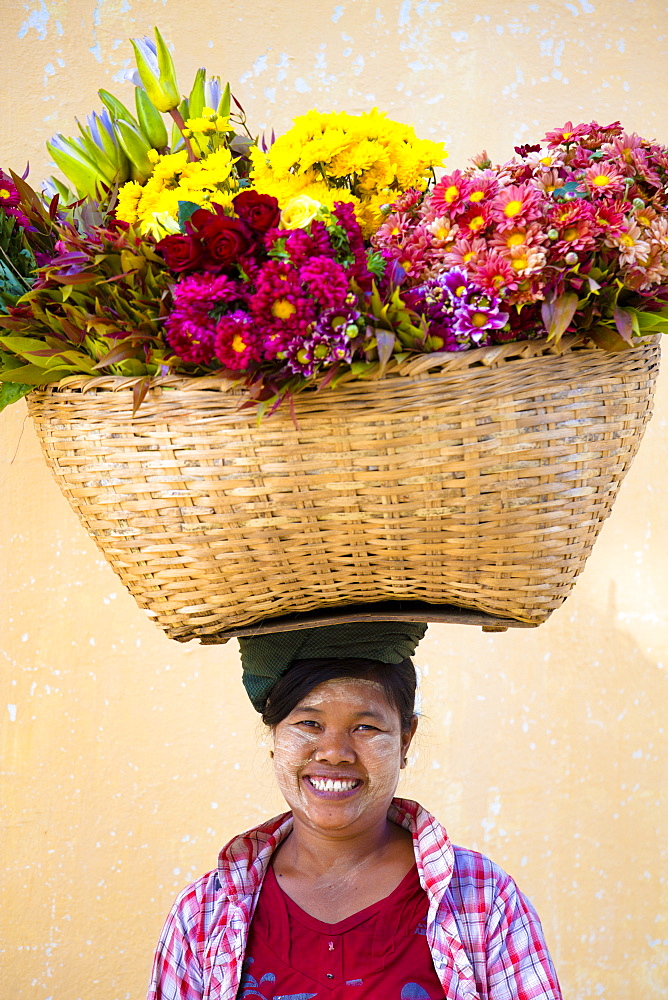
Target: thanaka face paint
(338, 754)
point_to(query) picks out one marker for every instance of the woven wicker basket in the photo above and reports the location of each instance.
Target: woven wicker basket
(478, 479)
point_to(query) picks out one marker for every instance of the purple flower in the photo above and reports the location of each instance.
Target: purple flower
(457, 309)
(477, 315)
(332, 339)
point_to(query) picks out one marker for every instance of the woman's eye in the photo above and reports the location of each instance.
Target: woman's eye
(306, 722)
(367, 726)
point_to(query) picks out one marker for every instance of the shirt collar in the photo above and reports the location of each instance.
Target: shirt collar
(243, 862)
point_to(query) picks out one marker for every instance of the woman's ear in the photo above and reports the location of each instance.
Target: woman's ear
(407, 739)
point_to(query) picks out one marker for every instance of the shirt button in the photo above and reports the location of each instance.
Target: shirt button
(330, 975)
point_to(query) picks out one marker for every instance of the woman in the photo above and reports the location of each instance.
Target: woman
(353, 893)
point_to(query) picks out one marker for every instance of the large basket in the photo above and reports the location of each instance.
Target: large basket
(478, 479)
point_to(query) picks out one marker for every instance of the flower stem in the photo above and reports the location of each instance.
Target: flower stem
(181, 125)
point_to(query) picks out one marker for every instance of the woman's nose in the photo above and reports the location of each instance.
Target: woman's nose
(334, 748)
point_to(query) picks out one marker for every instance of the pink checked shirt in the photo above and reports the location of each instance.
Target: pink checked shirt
(485, 937)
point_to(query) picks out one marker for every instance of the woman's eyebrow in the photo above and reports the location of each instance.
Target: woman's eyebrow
(358, 715)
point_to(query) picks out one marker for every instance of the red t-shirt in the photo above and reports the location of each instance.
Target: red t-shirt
(379, 953)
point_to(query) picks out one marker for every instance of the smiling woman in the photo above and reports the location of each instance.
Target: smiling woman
(353, 887)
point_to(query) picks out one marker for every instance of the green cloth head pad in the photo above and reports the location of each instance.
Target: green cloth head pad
(265, 658)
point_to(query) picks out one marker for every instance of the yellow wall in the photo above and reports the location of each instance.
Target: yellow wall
(129, 759)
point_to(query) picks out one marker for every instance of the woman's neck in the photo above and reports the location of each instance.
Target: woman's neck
(333, 877)
(319, 853)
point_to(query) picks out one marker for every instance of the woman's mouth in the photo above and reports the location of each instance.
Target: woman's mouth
(333, 787)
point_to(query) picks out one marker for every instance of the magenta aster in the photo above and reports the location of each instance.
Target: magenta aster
(236, 343)
(10, 200)
(192, 341)
(325, 281)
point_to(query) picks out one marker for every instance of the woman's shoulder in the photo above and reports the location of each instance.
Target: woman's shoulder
(472, 867)
(241, 863)
(196, 897)
(481, 886)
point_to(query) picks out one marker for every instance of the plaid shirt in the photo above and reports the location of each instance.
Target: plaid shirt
(484, 935)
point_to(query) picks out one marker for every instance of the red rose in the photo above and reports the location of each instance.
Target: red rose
(223, 240)
(182, 253)
(260, 211)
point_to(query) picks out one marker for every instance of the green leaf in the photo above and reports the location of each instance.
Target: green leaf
(22, 345)
(186, 209)
(32, 375)
(11, 392)
(649, 321)
(361, 368)
(608, 339)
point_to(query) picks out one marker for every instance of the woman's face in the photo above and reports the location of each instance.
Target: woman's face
(337, 756)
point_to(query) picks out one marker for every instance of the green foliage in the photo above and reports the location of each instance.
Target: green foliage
(98, 308)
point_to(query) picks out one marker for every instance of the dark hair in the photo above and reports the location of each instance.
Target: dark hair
(398, 681)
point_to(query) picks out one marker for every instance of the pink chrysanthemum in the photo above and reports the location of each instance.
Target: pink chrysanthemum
(466, 253)
(450, 195)
(10, 200)
(394, 231)
(483, 187)
(575, 238)
(565, 213)
(507, 240)
(199, 294)
(408, 201)
(610, 216)
(279, 298)
(622, 147)
(516, 204)
(646, 216)
(9, 195)
(474, 221)
(495, 274)
(527, 261)
(566, 135)
(302, 244)
(548, 181)
(603, 180)
(542, 161)
(632, 245)
(443, 231)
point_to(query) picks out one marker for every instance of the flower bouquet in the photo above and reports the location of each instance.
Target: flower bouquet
(452, 375)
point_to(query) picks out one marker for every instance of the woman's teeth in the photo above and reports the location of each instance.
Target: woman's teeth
(330, 785)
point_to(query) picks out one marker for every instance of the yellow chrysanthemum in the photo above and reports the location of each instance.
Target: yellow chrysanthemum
(367, 157)
(176, 179)
(127, 206)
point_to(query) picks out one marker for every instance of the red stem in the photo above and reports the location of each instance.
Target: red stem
(181, 125)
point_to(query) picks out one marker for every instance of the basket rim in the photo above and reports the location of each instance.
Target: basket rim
(439, 362)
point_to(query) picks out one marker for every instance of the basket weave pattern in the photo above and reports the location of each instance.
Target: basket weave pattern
(479, 479)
